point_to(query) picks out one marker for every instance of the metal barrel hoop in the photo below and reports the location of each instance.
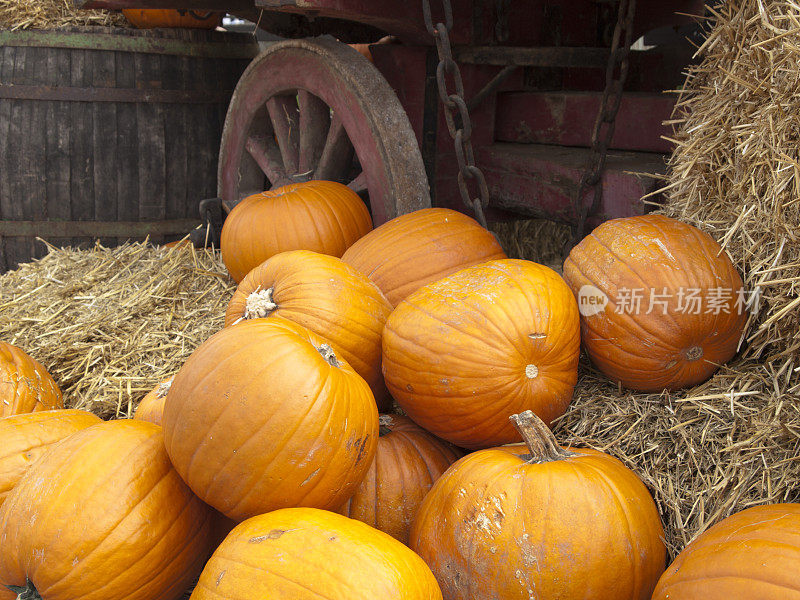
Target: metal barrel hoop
(455, 104)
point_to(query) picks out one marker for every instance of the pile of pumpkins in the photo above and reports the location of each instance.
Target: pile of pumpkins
(272, 466)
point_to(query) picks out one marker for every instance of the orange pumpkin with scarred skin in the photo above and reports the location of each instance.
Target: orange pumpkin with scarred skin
(25, 385)
(312, 554)
(407, 463)
(149, 18)
(323, 216)
(27, 436)
(265, 415)
(540, 521)
(328, 297)
(421, 247)
(495, 338)
(103, 515)
(151, 407)
(647, 332)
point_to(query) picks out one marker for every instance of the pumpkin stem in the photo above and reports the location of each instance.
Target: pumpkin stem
(540, 441)
(259, 304)
(328, 355)
(163, 388)
(28, 592)
(384, 425)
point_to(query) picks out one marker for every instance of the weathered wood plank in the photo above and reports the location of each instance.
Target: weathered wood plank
(81, 145)
(104, 142)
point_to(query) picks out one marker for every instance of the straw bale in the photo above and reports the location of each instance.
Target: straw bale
(110, 323)
(54, 14)
(539, 240)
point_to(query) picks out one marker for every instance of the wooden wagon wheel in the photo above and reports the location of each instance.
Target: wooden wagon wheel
(317, 109)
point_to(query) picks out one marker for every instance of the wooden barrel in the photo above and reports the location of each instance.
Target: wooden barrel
(110, 134)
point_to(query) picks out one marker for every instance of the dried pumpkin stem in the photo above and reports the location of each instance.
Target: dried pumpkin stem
(327, 353)
(27, 592)
(259, 304)
(540, 441)
(384, 425)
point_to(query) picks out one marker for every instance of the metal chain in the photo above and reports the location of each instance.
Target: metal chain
(603, 130)
(455, 104)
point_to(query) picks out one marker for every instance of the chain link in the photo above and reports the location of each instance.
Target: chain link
(603, 130)
(455, 107)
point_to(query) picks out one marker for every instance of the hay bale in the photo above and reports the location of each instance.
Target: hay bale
(110, 323)
(734, 441)
(54, 14)
(539, 240)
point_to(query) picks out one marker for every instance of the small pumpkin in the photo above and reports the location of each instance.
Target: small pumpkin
(661, 302)
(752, 555)
(25, 385)
(323, 216)
(421, 247)
(407, 463)
(461, 353)
(264, 415)
(25, 438)
(328, 297)
(540, 521)
(151, 407)
(102, 515)
(148, 18)
(312, 554)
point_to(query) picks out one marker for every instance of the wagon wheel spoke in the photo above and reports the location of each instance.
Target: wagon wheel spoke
(315, 117)
(268, 157)
(285, 118)
(337, 154)
(359, 184)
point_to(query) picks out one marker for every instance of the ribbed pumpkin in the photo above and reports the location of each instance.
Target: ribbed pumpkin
(540, 521)
(679, 274)
(25, 438)
(752, 555)
(420, 247)
(461, 354)
(323, 216)
(25, 385)
(328, 297)
(407, 463)
(151, 407)
(103, 516)
(264, 415)
(148, 18)
(311, 554)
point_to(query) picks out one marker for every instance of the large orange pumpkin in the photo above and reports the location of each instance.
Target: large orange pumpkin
(752, 555)
(25, 438)
(461, 354)
(407, 463)
(540, 521)
(103, 516)
(151, 407)
(661, 303)
(264, 415)
(148, 18)
(323, 216)
(311, 554)
(25, 385)
(328, 297)
(421, 247)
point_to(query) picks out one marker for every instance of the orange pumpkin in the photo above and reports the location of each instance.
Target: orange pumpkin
(421, 247)
(407, 463)
(461, 354)
(752, 555)
(326, 296)
(148, 18)
(323, 216)
(103, 516)
(540, 521)
(25, 385)
(264, 415)
(151, 407)
(661, 303)
(311, 554)
(25, 438)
